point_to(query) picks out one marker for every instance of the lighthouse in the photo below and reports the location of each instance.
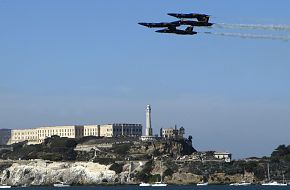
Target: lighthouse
(148, 130)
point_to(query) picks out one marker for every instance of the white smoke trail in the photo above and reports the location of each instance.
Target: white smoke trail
(253, 26)
(251, 36)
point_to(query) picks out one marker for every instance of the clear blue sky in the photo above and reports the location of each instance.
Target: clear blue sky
(89, 62)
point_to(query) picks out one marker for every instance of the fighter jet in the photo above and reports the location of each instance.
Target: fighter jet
(161, 24)
(172, 29)
(199, 17)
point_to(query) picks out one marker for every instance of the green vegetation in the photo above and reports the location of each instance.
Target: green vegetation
(281, 154)
(168, 172)
(280, 162)
(145, 174)
(54, 149)
(121, 149)
(118, 168)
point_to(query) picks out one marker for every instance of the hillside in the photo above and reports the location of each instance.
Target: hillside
(129, 160)
(97, 149)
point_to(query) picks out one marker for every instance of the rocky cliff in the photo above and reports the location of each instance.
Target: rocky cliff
(47, 173)
(43, 173)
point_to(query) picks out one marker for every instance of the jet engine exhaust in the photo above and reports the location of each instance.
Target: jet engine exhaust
(253, 26)
(250, 36)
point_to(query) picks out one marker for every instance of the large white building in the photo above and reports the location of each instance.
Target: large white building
(38, 135)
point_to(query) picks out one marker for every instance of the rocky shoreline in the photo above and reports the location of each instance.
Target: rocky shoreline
(44, 173)
(91, 161)
(47, 173)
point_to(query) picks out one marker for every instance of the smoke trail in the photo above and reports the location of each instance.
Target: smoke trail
(253, 26)
(251, 36)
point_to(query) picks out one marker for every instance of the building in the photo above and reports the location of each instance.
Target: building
(226, 156)
(20, 135)
(113, 130)
(5, 135)
(148, 130)
(92, 130)
(72, 131)
(38, 135)
(172, 132)
(132, 130)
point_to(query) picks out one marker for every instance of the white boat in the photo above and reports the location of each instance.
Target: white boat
(202, 184)
(144, 184)
(243, 183)
(61, 184)
(274, 183)
(159, 184)
(5, 186)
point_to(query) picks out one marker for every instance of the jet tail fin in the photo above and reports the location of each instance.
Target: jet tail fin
(189, 29)
(203, 19)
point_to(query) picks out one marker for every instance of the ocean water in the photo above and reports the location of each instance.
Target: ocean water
(170, 187)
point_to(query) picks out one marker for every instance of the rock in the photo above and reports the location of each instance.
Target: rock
(184, 178)
(47, 173)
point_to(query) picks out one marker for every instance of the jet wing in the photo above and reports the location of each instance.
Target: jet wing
(160, 25)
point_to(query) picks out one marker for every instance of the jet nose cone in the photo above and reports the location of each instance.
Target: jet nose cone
(142, 23)
(172, 14)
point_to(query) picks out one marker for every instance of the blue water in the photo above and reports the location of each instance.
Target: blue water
(170, 187)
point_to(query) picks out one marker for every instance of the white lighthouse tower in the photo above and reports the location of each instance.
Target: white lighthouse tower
(148, 130)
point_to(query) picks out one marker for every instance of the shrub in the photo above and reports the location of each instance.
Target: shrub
(121, 149)
(118, 168)
(52, 156)
(168, 172)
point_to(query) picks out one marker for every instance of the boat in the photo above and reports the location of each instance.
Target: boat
(61, 184)
(202, 184)
(273, 183)
(3, 186)
(144, 184)
(243, 183)
(159, 184)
